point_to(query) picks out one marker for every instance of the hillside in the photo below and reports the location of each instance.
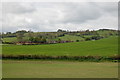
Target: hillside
(103, 47)
(55, 37)
(72, 38)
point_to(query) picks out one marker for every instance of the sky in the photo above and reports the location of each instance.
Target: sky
(51, 16)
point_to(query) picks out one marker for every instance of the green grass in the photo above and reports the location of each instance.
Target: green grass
(72, 38)
(0, 69)
(88, 36)
(10, 39)
(103, 47)
(58, 69)
(13, 39)
(106, 33)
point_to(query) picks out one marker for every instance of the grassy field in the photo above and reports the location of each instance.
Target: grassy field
(11, 39)
(59, 69)
(103, 47)
(72, 38)
(62, 69)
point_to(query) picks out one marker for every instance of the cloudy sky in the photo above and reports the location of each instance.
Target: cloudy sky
(51, 16)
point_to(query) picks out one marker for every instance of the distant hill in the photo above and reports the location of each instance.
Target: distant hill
(59, 36)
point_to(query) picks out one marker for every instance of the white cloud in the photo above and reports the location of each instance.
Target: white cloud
(45, 16)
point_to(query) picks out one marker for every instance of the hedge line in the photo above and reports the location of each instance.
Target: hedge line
(76, 58)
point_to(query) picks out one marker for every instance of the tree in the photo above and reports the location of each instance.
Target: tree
(37, 40)
(87, 39)
(60, 30)
(8, 33)
(97, 37)
(43, 40)
(21, 31)
(59, 40)
(31, 39)
(77, 40)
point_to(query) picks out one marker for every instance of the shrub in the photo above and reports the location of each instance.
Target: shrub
(74, 58)
(77, 40)
(87, 39)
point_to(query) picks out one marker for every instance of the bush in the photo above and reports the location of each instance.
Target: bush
(74, 58)
(77, 40)
(96, 37)
(8, 43)
(87, 39)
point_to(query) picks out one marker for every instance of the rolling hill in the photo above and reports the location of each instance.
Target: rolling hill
(103, 47)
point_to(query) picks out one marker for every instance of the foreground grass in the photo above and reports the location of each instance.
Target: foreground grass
(103, 47)
(58, 69)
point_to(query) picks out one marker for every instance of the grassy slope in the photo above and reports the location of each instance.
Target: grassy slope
(103, 47)
(66, 37)
(58, 69)
(70, 37)
(104, 33)
(10, 39)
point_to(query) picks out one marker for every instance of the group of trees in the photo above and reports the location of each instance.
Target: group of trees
(30, 37)
(96, 37)
(37, 40)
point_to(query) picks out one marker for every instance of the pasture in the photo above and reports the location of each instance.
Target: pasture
(62, 69)
(13, 39)
(73, 38)
(103, 47)
(58, 69)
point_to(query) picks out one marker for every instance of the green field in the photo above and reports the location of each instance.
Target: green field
(10, 39)
(59, 69)
(72, 38)
(62, 68)
(103, 47)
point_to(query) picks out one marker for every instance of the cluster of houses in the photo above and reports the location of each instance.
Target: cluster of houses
(33, 43)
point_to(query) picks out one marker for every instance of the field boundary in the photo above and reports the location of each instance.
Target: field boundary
(70, 58)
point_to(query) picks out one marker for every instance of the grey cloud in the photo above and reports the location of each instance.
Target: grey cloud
(82, 12)
(78, 13)
(16, 8)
